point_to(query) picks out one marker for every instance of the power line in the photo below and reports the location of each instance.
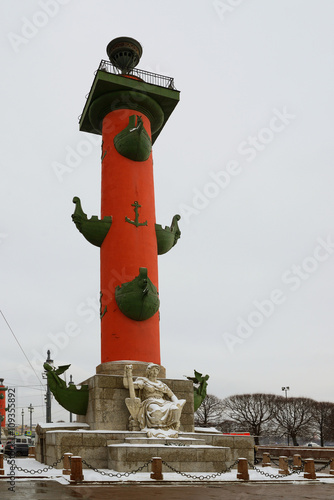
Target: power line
(26, 407)
(28, 387)
(33, 369)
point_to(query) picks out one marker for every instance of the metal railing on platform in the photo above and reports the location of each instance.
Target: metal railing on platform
(148, 77)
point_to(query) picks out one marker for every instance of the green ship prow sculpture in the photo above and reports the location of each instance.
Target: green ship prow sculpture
(167, 237)
(93, 229)
(133, 142)
(72, 399)
(138, 299)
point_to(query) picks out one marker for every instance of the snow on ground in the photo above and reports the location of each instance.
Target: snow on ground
(90, 475)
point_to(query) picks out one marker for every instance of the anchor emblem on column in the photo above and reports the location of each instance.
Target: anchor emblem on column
(136, 221)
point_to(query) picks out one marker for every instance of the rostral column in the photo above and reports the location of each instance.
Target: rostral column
(128, 107)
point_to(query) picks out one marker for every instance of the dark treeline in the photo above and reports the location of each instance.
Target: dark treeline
(266, 415)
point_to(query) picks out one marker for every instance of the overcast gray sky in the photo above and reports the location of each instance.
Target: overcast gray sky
(247, 295)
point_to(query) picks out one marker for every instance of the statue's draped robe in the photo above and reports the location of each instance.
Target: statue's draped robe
(155, 411)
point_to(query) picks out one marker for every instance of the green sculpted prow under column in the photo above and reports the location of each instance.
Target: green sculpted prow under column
(168, 237)
(93, 229)
(200, 385)
(72, 399)
(134, 142)
(138, 299)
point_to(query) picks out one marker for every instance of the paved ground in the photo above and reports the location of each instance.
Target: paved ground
(51, 490)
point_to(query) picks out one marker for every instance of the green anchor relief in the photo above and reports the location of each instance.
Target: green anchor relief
(136, 221)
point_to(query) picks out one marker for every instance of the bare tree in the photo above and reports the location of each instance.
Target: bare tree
(323, 416)
(329, 427)
(209, 414)
(294, 416)
(251, 411)
(227, 426)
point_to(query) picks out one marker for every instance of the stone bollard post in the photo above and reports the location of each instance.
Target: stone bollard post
(309, 470)
(283, 466)
(157, 469)
(266, 459)
(67, 463)
(331, 467)
(2, 471)
(76, 469)
(297, 462)
(243, 469)
(32, 452)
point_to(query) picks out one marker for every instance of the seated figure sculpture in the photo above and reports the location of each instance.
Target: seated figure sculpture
(157, 411)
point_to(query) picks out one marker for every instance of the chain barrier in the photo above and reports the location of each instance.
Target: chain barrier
(301, 468)
(201, 478)
(323, 467)
(117, 474)
(275, 476)
(184, 474)
(34, 471)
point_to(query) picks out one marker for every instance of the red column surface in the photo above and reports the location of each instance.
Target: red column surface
(3, 405)
(126, 247)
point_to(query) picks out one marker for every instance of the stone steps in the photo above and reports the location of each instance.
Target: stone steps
(167, 442)
(193, 458)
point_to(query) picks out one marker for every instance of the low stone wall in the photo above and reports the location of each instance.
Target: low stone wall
(91, 446)
(241, 446)
(42, 443)
(304, 451)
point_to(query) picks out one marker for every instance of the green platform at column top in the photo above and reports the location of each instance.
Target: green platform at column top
(106, 82)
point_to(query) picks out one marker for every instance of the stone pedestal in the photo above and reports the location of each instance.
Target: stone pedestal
(102, 439)
(125, 451)
(117, 368)
(107, 409)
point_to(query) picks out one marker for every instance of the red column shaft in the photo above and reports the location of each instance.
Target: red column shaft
(126, 247)
(3, 406)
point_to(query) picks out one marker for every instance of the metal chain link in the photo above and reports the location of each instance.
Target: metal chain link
(263, 473)
(300, 469)
(200, 478)
(275, 476)
(118, 474)
(34, 471)
(190, 476)
(324, 466)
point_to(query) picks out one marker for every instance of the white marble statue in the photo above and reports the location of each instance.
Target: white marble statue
(157, 410)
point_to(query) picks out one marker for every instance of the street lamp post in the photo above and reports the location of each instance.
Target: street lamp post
(22, 431)
(30, 409)
(286, 389)
(48, 392)
(71, 383)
